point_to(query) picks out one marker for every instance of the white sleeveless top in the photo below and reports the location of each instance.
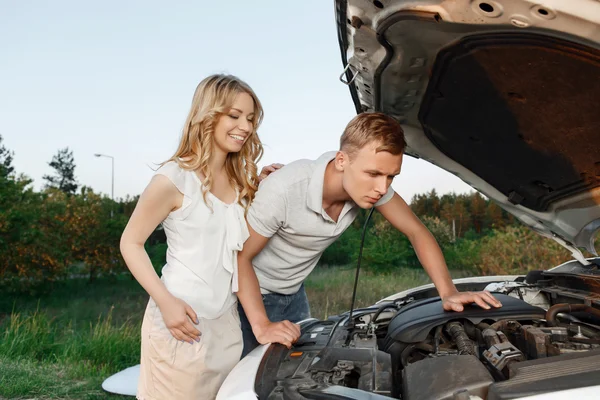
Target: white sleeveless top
(202, 245)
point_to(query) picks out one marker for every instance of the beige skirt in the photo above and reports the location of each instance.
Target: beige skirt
(171, 369)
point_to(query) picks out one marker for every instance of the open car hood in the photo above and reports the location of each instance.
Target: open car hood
(505, 95)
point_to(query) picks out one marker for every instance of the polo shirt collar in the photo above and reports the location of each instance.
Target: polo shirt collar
(314, 198)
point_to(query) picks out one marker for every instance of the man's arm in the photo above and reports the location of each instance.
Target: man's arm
(283, 332)
(399, 214)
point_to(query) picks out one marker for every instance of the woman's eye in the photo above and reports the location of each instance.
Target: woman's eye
(233, 116)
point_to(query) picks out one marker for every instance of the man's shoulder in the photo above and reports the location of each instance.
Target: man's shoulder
(290, 175)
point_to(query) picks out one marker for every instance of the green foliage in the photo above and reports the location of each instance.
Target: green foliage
(52, 235)
(474, 234)
(101, 348)
(30, 242)
(518, 249)
(157, 254)
(386, 249)
(63, 179)
(341, 252)
(94, 235)
(78, 334)
(329, 290)
(464, 213)
(464, 254)
(440, 230)
(42, 235)
(6, 157)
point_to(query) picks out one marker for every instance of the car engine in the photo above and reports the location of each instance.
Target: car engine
(414, 350)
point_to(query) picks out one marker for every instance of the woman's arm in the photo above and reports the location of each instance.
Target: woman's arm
(156, 202)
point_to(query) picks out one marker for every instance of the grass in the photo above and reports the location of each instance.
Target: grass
(24, 378)
(329, 290)
(63, 344)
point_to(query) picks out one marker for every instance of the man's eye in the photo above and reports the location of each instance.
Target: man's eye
(373, 174)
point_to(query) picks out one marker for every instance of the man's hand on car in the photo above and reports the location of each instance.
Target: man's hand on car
(284, 332)
(456, 301)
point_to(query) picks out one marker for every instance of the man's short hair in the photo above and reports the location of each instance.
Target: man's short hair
(372, 127)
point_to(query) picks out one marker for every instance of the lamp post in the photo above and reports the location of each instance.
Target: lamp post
(112, 184)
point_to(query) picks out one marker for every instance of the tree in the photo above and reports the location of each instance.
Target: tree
(462, 217)
(426, 204)
(457, 216)
(494, 216)
(6, 158)
(64, 178)
(478, 211)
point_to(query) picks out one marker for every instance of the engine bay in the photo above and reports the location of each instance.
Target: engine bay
(412, 349)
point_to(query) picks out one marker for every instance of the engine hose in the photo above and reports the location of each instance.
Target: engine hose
(568, 308)
(382, 308)
(482, 326)
(490, 337)
(584, 340)
(506, 325)
(458, 334)
(405, 354)
(579, 328)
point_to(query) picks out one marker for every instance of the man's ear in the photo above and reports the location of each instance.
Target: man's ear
(341, 160)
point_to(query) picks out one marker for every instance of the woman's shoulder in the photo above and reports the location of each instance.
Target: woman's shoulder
(181, 177)
(175, 169)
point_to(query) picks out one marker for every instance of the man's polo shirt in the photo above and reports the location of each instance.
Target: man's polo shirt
(288, 209)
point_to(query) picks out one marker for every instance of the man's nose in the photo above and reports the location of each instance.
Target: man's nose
(381, 186)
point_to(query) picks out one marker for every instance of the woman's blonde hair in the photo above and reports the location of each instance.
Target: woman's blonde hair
(213, 98)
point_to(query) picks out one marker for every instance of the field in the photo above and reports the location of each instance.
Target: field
(62, 345)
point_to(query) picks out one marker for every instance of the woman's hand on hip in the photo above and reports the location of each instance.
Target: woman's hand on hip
(178, 317)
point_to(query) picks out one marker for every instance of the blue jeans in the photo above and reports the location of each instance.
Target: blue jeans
(279, 307)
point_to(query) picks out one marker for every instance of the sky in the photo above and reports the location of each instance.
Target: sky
(117, 78)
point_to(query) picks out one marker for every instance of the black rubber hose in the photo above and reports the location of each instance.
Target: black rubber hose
(381, 309)
(406, 353)
(458, 334)
(568, 308)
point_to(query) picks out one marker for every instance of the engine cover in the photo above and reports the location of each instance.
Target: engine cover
(413, 323)
(440, 378)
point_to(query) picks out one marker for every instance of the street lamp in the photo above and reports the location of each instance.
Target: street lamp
(112, 186)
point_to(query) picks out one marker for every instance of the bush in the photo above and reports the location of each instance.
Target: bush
(94, 234)
(518, 249)
(43, 234)
(343, 250)
(32, 239)
(440, 230)
(464, 255)
(386, 249)
(158, 255)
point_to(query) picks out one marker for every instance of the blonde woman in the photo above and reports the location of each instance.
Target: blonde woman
(191, 335)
